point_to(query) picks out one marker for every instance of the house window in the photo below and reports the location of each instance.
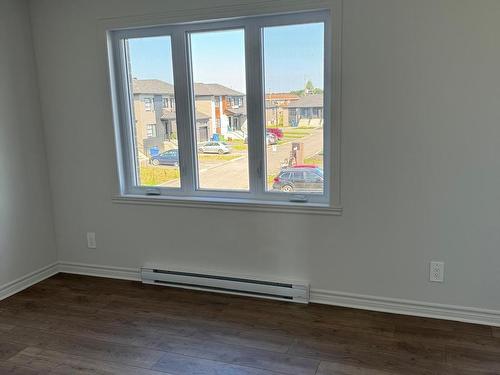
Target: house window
(151, 130)
(264, 166)
(168, 103)
(148, 104)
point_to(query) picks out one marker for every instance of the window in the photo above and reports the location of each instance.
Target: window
(219, 166)
(168, 103)
(150, 165)
(151, 131)
(228, 147)
(148, 104)
(304, 63)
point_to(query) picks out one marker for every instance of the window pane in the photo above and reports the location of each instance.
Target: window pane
(218, 68)
(155, 130)
(293, 74)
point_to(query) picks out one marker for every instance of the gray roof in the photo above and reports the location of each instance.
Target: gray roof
(308, 101)
(209, 89)
(170, 115)
(156, 86)
(152, 86)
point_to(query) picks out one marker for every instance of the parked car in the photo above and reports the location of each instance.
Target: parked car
(299, 179)
(170, 157)
(214, 147)
(305, 166)
(276, 131)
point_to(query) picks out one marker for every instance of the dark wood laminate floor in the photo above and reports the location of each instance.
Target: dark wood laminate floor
(84, 325)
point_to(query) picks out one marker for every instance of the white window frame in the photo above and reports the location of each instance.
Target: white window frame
(189, 194)
(151, 127)
(148, 104)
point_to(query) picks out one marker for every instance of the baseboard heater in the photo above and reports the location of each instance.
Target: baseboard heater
(293, 292)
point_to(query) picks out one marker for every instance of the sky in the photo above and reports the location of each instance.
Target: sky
(293, 54)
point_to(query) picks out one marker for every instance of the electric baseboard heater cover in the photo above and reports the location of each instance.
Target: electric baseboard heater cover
(293, 292)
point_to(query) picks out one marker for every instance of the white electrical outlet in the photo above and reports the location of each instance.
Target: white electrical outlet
(91, 243)
(436, 272)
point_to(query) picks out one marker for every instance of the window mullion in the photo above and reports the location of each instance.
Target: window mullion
(183, 109)
(128, 145)
(255, 110)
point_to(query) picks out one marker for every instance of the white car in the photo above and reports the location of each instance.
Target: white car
(214, 147)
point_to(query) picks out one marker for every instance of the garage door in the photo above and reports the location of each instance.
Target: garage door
(202, 133)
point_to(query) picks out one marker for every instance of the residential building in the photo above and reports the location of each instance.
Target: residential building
(306, 111)
(226, 107)
(281, 98)
(219, 110)
(276, 108)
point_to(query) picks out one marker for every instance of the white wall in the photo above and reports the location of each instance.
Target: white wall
(420, 158)
(26, 228)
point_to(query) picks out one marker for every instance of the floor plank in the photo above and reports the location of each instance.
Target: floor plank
(9, 349)
(13, 369)
(83, 346)
(53, 362)
(331, 368)
(183, 365)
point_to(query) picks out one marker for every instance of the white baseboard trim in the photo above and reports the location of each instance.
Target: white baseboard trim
(407, 307)
(28, 280)
(100, 271)
(357, 301)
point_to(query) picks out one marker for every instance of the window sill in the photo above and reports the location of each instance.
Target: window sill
(230, 204)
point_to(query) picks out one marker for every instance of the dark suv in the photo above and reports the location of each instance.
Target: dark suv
(301, 179)
(170, 157)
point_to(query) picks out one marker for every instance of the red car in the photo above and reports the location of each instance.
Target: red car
(304, 166)
(277, 132)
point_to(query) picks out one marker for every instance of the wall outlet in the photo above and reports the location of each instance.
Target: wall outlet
(91, 244)
(436, 272)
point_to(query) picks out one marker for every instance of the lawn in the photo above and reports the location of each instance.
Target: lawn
(315, 159)
(298, 131)
(151, 176)
(238, 145)
(292, 137)
(292, 134)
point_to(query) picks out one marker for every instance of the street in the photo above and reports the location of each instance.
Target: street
(233, 175)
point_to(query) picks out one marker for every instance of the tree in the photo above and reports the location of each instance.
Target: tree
(308, 89)
(309, 85)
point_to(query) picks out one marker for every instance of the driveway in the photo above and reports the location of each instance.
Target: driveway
(234, 174)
